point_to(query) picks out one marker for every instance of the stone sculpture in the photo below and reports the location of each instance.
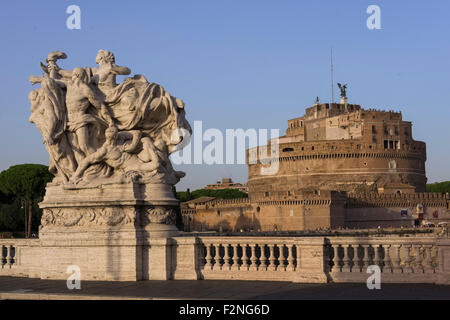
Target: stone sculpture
(97, 131)
(343, 89)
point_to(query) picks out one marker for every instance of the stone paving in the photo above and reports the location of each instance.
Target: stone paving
(25, 288)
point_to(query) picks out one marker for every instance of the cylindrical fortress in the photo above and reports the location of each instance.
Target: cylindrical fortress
(341, 147)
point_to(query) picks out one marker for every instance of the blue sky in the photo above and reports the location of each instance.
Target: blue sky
(240, 64)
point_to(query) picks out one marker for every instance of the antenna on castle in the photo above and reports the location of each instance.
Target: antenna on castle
(332, 80)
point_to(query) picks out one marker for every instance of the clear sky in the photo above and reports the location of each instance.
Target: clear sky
(240, 64)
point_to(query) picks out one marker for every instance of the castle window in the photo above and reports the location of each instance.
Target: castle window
(218, 212)
(258, 209)
(374, 130)
(288, 149)
(303, 148)
(386, 144)
(266, 194)
(312, 148)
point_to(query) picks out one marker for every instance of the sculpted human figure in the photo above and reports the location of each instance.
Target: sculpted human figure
(79, 97)
(52, 70)
(343, 89)
(73, 110)
(43, 115)
(122, 155)
(105, 74)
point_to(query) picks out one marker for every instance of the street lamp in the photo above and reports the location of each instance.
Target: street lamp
(24, 206)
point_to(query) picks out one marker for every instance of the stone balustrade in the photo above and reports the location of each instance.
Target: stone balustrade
(412, 260)
(417, 259)
(18, 257)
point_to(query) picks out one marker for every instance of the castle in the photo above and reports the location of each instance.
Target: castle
(340, 166)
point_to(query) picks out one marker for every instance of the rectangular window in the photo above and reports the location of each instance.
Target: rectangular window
(386, 144)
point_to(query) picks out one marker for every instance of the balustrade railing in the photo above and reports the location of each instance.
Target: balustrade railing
(415, 257)
(247, 254)
(8, 254)
(242, 256)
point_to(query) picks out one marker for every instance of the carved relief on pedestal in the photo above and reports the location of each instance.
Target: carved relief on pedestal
(158, 215)
(108, 216)
(94, 216)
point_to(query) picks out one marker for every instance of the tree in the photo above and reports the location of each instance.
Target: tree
(25, 181)
(216, 193)
(441, 187)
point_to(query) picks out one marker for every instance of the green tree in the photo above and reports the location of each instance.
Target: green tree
(219, 193)
(25, 181)
(441, 187)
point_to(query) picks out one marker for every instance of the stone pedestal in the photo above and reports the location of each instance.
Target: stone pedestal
(111, 232)
(443, 269)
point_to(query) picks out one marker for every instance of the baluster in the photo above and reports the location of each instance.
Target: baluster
(346, 259)
(208, 258)
(356, 265)
(286, 253)
(9, 258)
(377, 257)
(366, 258)
(418, 268)
(236, 265)
(245, 257)
(290, 258)
(396, 268)
(2, 256)
(226, 257)
(263, 265)
(272, 259)
(254, 258)
(297, 254)
(337, 260)
(428, 259)
(387, 259)
(407, 267)
(218, 257)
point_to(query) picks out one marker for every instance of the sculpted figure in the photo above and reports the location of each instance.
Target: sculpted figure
(343, 89)
(49, 120)
(79, 97)
(73, 110)
(120, 155)
(52, 70)
(105, 74)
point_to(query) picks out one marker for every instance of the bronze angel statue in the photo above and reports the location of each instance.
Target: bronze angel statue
(343, 89)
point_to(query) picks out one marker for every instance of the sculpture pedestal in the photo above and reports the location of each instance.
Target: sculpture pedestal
(110, 232)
